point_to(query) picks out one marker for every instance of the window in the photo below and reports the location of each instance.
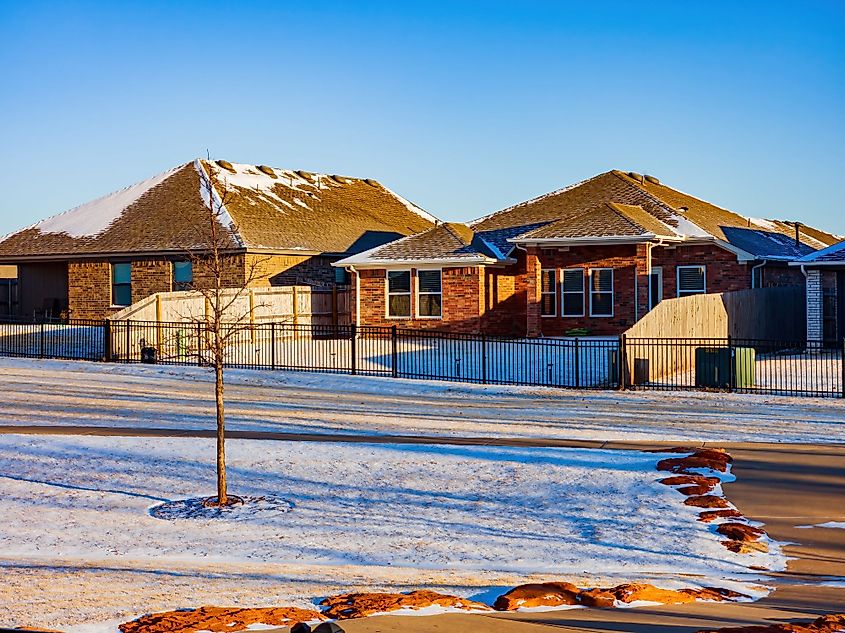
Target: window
(429, 293)
(692, 280)
(573, 292)
(601, 292)
(183, 275)
(548, 293)
(399, 293)
(341, 276)
(121, 284)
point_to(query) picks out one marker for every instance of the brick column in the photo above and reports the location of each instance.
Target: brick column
(642, 273)
(532, 292)
(815, 305)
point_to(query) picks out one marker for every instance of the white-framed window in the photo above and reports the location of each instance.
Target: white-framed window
(183, 275)
(692, 280)
(572, 289)
(399, 293)
(548, 292)
(601, 292)
(121, 284)
(429, 294)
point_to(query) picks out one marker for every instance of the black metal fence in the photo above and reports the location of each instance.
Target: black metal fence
(749, 366)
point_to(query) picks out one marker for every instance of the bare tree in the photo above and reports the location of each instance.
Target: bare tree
(224, 281)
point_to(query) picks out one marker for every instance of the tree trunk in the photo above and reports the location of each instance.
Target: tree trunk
(222, 498)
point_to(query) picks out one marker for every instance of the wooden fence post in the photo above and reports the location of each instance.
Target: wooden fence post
(295, 314)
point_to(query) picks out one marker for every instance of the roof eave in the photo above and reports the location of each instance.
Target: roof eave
(433, 261)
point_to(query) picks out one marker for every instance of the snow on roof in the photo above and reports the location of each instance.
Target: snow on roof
(92, 218)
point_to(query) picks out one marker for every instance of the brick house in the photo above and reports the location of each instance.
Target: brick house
(597, 256)
(825, 273)
(94, 260)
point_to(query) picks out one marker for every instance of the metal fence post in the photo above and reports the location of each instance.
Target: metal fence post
(577, 364)
(353, 348)
(623, 362)
(107, 351)
(41, 342)
(272, 345)
(128, 327)
(393, 337)
(842, 369)
(731, 368)
(483, 359)
(199, 343)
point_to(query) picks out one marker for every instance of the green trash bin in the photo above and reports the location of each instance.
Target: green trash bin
(718, 367)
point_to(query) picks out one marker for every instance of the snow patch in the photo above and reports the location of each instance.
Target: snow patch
(92, 218)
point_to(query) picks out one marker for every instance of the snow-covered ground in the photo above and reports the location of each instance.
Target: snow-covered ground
(78, 544)
(50, 392)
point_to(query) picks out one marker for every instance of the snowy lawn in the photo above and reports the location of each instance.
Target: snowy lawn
(108, 394)
(79, 544)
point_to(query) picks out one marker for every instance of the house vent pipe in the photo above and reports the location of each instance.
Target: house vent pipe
(797, 234)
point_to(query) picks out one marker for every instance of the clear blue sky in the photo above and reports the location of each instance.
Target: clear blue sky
(463, 107)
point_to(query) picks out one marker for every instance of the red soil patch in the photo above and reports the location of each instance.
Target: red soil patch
(555, 594)
(360, 605)
(217, 619)
(824, 624)
(740, 547)
(688, 480)
(710, 458)
(711, 515)
(547, 594)
(695, 490)
(740, 532)
(706, 501)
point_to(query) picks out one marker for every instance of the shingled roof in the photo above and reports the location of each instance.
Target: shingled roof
(267, 209)
(580, 212)
(448, 242)
(833, 255)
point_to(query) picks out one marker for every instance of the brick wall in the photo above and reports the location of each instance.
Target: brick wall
(463, 301)
(291, 270)
(89, 290)
(782, 276)
(723, 272)
(815, 302)
(150, 276)
(624, 262)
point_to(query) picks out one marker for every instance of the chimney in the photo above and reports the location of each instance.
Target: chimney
(797, 233)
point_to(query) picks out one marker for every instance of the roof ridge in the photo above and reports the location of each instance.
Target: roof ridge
(216, 199)
(448, 227)
(536, 198)
(615, 208)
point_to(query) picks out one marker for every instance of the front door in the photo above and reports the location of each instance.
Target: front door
(655, 286)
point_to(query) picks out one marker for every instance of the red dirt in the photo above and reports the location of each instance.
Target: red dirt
(711, 515)
(360, 605)
(712, 458)
(825, 624)
(706, 501)
(547, 594)
(740, 532)
(562, 593)
(696, 490)
(217, 619)
(741, 547)
(687, 480)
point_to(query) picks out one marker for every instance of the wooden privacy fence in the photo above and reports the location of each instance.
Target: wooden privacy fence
(772, 314)
(171, 318)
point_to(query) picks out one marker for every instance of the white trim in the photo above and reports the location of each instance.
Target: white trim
(387, 294)
(563, 293)
(415, 290)
(612, 293)
(703, 267)
(452, 262)
(553, 292)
